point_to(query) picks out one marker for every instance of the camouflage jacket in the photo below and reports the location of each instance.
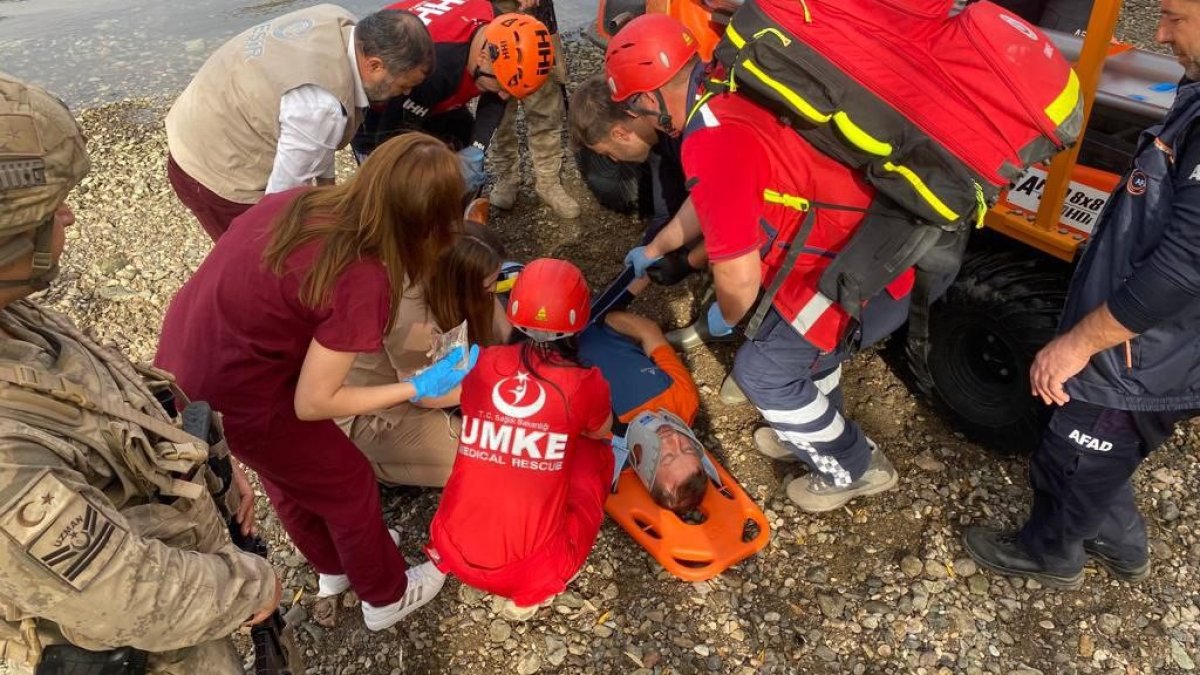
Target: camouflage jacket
(108, 535)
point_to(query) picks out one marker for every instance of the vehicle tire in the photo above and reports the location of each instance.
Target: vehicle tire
(614, 184)
(1002, 308)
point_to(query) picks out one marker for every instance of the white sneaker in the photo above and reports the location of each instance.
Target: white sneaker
(424, 583)
(329, 585)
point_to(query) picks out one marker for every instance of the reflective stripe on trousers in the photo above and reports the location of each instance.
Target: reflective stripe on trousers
(798, 391)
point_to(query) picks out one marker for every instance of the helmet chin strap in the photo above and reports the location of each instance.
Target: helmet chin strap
(661, 116)
(44, 267)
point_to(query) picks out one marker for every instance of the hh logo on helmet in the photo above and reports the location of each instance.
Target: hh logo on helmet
(545, 52)
(519, 396)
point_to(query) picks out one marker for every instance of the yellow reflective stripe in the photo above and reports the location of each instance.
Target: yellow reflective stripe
(734, 36)
(790, 201)
(804, 107)
(776, 32)
(981, 206)
(696, 108)
(505, 285)
(861, 139)
(923, 190)
(1066, 100)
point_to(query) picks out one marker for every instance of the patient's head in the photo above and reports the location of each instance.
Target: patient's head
(668, 458)
(680, 481)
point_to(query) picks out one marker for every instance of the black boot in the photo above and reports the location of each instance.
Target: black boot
(1102, 552)
(1002, 552)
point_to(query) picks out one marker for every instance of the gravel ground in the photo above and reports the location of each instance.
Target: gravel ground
(880, 587)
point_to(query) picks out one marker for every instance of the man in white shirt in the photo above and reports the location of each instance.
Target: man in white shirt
(269, 108)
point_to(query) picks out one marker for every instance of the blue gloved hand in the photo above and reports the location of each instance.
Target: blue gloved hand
(443, 376)
(474, 175)
(716, 322)
(639, 261)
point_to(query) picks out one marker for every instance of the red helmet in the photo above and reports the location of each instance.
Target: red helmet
(550, 300)
(646, 53)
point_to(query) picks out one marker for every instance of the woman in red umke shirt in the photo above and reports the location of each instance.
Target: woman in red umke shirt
(267, 329)
(525, 498)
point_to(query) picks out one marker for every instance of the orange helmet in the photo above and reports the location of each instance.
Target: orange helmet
(550, 300)
(521, 51)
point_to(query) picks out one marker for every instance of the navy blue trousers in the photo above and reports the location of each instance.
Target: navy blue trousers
(1080, 477)
(797, 389)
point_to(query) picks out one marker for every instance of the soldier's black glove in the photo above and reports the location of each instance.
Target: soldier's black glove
(671, 269)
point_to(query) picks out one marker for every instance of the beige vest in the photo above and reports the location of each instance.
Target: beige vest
(224, 127)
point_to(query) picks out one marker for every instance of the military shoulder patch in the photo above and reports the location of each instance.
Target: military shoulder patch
(63, 530)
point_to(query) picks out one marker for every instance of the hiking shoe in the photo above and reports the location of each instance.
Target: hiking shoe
(504, 192)
(768, 443)
(814, 494)
(555, 196)
(424, 583)
(511, 611)
(731, 393)
(1003, 552)
(329, 585)
(1132, 571)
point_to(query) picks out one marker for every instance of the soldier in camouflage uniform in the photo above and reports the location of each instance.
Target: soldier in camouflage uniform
(109, 537)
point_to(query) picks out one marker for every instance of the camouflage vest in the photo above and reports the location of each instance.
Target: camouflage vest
(97, 398)
(97, 411)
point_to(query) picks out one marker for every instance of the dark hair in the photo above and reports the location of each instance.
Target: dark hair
(686, 496)
(398, 38)
(403, 207)
(593, 112)
(455, 291)
(560, 353)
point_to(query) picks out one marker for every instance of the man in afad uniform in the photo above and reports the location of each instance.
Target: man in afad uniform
(755, 185)
(109, 538)
(1126, 365)
(476, 55)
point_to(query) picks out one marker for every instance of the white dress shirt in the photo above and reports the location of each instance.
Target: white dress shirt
(311, 125)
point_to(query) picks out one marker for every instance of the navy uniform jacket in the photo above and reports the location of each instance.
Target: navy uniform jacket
(1144, 261)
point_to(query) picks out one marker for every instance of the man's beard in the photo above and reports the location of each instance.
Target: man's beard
(381, 91)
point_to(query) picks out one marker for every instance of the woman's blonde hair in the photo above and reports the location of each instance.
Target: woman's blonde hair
(403, 207)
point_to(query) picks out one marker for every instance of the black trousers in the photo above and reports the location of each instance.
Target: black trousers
(1080, 477)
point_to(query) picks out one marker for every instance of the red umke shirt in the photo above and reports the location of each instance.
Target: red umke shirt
(507, 492)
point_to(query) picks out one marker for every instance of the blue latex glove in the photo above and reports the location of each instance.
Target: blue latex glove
(716, 322)
(474, 175)
(443, 376)
(639, 261)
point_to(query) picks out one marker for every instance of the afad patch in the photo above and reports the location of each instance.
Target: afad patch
(1137, 183)
(63, 530)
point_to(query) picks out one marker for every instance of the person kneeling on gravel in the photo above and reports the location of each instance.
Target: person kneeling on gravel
(1126, 366)
(415, 442)
(525, 499)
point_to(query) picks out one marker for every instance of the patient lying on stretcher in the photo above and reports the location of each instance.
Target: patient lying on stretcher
(654, 400)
